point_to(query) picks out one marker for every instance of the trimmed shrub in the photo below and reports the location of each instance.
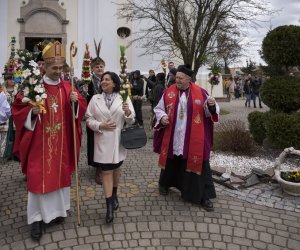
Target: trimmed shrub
(280, 47)
(281, 93)
(232, 136)
(256, 126)
(283, 130)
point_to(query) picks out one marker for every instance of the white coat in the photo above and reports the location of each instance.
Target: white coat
(107, 146)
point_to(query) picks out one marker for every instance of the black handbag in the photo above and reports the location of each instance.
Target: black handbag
(133, 137)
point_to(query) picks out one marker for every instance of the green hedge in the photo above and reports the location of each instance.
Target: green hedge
(256, 125)
(283, 130)
(281, 93)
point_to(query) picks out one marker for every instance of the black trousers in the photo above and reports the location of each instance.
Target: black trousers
(137, 105)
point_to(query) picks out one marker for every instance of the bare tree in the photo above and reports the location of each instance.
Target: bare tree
(188, 29)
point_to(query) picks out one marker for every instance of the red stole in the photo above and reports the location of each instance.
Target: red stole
(196, 143)
(47, 154)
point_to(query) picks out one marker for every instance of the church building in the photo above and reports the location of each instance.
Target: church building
(81, 21)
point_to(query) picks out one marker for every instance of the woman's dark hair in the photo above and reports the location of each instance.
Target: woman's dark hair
(136, 74)
(115, 78)
(161, 77)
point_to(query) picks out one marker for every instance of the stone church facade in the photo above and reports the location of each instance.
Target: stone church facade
(81, 21)
(31, 21)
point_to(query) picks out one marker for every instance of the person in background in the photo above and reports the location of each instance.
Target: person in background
(256, 84)
(10, 89)
(184, 131)
(66, 73)
(237, 89)
(137, 92)
(5, 113)
(171, 66)
(172, 77)
(151, 80)
(40, 61)
(247, 91)
(105, 116)
(231, 87)
(94, 88)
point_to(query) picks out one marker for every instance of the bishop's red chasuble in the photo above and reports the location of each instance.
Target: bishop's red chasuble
(47, 152)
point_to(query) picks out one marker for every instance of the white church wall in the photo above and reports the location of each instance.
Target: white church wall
(4, 34)
(71, 28)
(97, 19)
(202, 80)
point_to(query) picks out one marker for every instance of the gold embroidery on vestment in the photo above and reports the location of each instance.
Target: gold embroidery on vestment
(197, 119)
(52, 128)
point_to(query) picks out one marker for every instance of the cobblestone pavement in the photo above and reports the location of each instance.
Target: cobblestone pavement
(145, 220)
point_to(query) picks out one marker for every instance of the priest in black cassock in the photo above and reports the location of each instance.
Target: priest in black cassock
(183, 138)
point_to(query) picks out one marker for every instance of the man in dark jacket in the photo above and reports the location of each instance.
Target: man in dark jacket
(256, 84)
(172, 76)
(137, 91)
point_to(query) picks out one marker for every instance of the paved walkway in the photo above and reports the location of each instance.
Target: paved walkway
(145, 220)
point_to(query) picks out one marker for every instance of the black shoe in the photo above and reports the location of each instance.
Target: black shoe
(109, 210)
(58, 221)
(36, 230)
(261, 107)
(115, 199)
(207, 205)
(163, 190)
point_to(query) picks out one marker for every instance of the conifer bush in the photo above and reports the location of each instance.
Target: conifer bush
(283, 130)
(256, 125)
(281, 93)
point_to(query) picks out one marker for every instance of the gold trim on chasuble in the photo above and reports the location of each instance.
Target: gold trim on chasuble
(52, 128)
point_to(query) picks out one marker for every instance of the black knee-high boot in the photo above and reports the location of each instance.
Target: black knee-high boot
(109, 210)
(115, 198)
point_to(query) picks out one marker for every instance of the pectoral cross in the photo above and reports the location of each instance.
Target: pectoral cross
(54, 106)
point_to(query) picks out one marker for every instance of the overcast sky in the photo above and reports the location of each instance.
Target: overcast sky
(289, 13)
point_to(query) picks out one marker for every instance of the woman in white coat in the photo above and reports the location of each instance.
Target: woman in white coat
(106, 114)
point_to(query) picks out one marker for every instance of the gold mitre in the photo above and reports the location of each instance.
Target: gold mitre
(54, 53)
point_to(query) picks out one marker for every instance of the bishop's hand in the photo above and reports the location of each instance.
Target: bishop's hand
(74, 97)
(35, 110)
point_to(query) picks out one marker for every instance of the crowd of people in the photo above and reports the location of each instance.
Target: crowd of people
(183, 113)
(247, 88)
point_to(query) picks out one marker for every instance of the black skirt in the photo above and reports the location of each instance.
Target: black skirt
(194, 188)
(107, 166)
(90, 146)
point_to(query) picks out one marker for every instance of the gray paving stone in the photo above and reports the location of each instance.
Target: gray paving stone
(58, 236)
(219, 245)
(213, 228)
(68, 243)
(293, 244)
(242, 241)
(51, 246)
(83, 247)
(115, 244)
(150, 221)
(82, 231)
(104, 245)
